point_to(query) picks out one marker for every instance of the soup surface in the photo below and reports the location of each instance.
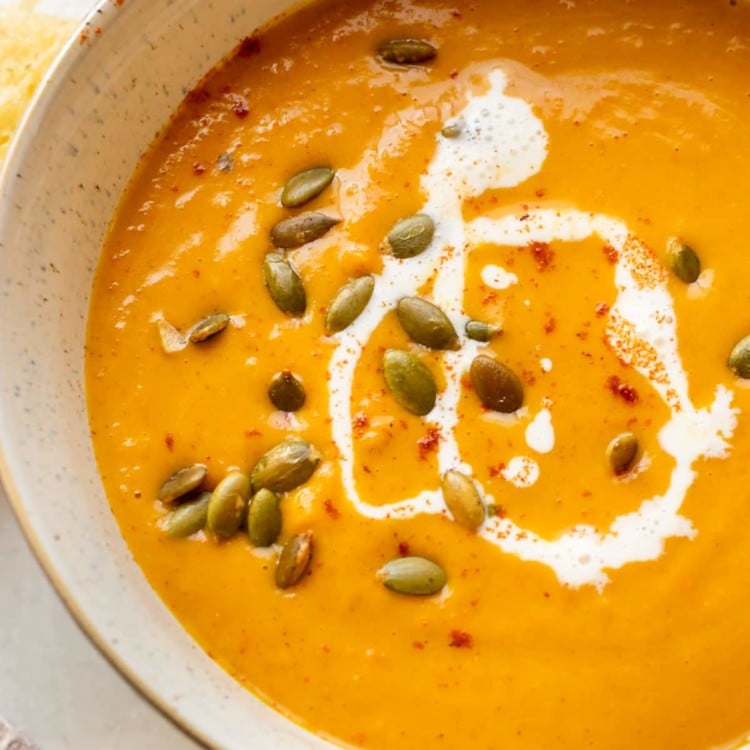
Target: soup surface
(557, 149)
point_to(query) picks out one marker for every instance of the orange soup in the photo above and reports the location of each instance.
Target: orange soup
(417, 374)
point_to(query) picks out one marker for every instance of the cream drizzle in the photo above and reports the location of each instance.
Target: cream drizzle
(503, 143)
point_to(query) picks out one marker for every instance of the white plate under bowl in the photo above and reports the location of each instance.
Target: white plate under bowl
(96, 113)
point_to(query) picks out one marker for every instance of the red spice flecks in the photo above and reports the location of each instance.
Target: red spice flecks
(496, 511)
(633, 351)
(489, 298)
(620, 388)
(542, 253)
(249, 46)
(601, 309)
(610, 254)
(644, 265)
(331, 509)
(418, 645)
(360, 422)
(461, 639)
(497, 470)
(198, 168)
(198, 95)
(429, 443)
(528, 376)
(550, 325)
(239, 105)
(403, 549)
(540, 193)
(252, 433)
(83, 38)
(169, 441)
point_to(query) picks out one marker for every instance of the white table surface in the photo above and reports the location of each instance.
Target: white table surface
(54, 685)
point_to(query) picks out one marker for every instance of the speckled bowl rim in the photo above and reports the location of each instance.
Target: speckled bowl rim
(100, 18)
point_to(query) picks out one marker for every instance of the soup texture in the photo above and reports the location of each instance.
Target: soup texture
(416, 372)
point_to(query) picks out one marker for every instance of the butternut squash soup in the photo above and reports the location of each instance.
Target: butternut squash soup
(417, 371)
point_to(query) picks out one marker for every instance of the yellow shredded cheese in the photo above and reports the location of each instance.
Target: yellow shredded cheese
(29, 42)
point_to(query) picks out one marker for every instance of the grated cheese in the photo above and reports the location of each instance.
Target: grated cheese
(29, 42)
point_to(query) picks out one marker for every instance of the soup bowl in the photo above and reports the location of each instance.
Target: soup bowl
(110, 95)
(110, 92)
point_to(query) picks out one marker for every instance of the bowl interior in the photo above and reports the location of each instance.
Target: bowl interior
(96, 113)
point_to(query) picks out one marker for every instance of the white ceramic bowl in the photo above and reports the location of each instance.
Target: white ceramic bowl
(96, 112)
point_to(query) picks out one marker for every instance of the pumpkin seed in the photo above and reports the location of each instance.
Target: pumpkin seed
(348, 303)
(463, 499)
(304, 186)
(264, 518)
(410, 237)
(299, 230)
(739, 359)
(294, 559)
(453, 129)
(208, 327)
(188, 519)
(286, 466)
(410, 381)
(478, 330)
(622, 452)
(683, 260)
(182, 482)
(171, 339)
(414, 576)
(228, 503)
(286, 391)
(426, 323)
(406, 51)
(497, 386)
(284, 284)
